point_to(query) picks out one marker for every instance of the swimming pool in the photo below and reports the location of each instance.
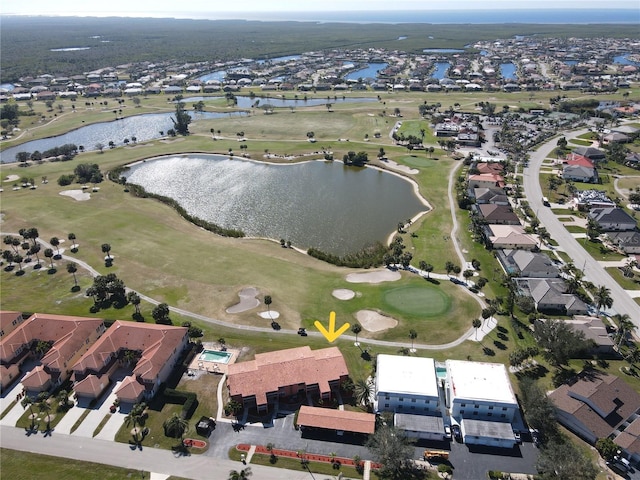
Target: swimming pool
(441, 372)
(215, 356)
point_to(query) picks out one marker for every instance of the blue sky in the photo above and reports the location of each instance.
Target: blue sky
(158, 8)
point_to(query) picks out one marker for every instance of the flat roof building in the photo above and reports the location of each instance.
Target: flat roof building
(406, 385)
(480, 391)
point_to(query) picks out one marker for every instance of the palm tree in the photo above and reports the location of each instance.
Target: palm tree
(63, 400)
(625, 327)
(362, 391)
(267, 302)
(449, 266)
(55, 242)
(28, 402)
(240, 475)
(45, 407)
(8, 240)
(49, 254)
(413, 335)
(477, 323)
(34, 251)
(72, 239)
(175, 426)
(356, 328)
(106, 248)
(72, 268)
(602, 297)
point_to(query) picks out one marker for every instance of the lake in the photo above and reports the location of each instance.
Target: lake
(370, 71)
(144, 127)
(318, 204)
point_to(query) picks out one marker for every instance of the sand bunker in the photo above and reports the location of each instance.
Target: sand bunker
(12, 178)
(248, 301)
(374, 277)
(343, 294)
(271, 315)
(402, 168)
(78, 195)
(375, 322)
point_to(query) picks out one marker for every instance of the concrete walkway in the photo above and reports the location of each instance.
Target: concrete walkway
(367, 470)
(69, 420)
(12, 417)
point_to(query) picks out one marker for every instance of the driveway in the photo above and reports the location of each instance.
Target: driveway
(97, 414)
(594, 272)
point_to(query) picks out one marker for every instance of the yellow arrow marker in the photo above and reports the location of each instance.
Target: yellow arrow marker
(332, 334)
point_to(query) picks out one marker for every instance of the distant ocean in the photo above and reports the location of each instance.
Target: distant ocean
(559, 16)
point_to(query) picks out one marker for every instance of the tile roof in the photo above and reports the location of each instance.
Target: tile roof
(294, 366)
(129, 390)
(494, 213)
(156, 343)
(330, 419)
(36, 379)
(91, 386)
(68, 335)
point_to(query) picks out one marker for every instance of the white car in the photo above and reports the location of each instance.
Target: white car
(447, 431)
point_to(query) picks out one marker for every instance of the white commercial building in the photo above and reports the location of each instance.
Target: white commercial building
(406, 385)
(480, 394)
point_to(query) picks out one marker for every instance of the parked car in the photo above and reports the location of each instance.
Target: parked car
(457, 433)
(302, 332)
(447, 431)
(516, 435)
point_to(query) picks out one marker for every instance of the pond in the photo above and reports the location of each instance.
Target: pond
(326, 205)
(508, 71)
(441, 70)
(289, 101)
(143, 127)
(370, 71)
(624, 60)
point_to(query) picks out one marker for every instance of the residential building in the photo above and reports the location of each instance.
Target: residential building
(598, 405)
(57, 341)
(9, 321)
(628, 241)
(549, 296)
(594, 331)
(528, 264)
(497, 214)
(481, 400)
(156, 350)
(406, 385)
(613, 219)
(491, 180)
(591, 153)
(296, 371)
(489, 195)
(509, 237)
(580, 173)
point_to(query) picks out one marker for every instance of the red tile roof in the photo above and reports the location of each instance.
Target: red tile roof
(156, 342)
(36, 379)
(68, 335)
(294, 366)
(575, 159)
(330, 419)
(91, 386)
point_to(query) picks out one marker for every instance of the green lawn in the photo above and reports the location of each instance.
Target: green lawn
(575, 229)
(32, 466)
(626, 283)
(427, 301)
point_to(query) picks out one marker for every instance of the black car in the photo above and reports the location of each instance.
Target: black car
(302, 332)
(457, 433)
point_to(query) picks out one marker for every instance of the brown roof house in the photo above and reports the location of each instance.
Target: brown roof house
(498, 214)
(273, 375)
(597, 406)
(156, 349)
(487, 180)
(335, 421)
(57, 341)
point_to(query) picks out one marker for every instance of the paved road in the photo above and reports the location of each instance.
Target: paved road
(594, 272)
(196, 467)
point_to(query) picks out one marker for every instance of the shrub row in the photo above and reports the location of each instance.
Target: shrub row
(139, 191)
(366, 258)
(188, 400)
